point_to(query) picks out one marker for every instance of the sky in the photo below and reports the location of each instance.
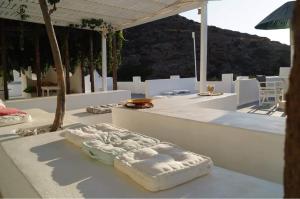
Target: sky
(243, 16)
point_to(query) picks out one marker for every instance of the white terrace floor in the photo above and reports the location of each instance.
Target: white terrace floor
(48, 166)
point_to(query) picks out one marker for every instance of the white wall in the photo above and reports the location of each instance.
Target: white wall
(156, 87)
(247, 91)
(136, 86)
(251, 152)
(285, 72)
(224, 86)
(73, 101)
(75, 81)
(98, 82)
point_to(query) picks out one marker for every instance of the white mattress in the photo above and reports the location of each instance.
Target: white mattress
(86, 133)
(8, 120)
(162, 166)
(106, 148)
(104, 141)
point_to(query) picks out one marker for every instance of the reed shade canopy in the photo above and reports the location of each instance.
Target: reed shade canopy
(121, 14)
(279, 19)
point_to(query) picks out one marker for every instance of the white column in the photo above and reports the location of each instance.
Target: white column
(292, 45)
(104, 61)
(195, 57)
(203, 50)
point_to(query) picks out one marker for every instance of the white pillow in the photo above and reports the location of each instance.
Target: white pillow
(19, 118)
(2, 105)
(162, 166)
(105, 150)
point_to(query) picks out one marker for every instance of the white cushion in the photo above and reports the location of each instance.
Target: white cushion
(162, 166)
(105, 150)
(98, 110)
(2, 105)
(86, 133)
(178, 92)
(14, 119)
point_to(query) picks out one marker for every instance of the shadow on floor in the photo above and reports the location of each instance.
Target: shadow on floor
(94, 180)
(267, 109)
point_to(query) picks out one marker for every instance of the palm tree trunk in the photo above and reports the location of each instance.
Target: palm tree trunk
(4, 60)
(115, 62)
(292, 141)
(61, 95)
(38, 63)
(91, 63)
(67, 61)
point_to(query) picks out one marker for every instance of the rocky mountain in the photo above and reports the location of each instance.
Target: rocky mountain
(165, 47)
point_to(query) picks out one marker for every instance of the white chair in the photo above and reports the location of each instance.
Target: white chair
(270, 92)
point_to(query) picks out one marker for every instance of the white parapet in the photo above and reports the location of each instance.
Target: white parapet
(247, 91)
(73, 101)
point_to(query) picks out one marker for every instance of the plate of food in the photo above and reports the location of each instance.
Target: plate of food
(139, 103)
(210, 94)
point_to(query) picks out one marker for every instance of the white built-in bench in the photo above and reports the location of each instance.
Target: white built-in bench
(73, 101)
(47, 166)
(247, 143)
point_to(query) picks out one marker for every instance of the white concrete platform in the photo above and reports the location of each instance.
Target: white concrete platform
(39, 118)
(250, 144)
(49, 167)
(83, 117)
(73, 101)
(227, 101)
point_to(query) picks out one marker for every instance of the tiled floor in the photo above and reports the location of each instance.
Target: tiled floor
(269, 110)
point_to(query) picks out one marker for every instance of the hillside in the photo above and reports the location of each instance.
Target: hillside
(163, 48)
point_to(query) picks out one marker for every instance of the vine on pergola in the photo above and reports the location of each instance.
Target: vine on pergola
(88, 24)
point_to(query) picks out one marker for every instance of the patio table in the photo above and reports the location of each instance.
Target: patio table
(48, 89)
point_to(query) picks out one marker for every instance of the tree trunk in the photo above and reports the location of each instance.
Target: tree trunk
(67, 61)
(91, 63)
(292, 140)
(82, 74)
(38, 64)
(61, 95)
(115, 62)
(4, 60)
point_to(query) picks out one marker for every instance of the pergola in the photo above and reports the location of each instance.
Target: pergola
(121, 14)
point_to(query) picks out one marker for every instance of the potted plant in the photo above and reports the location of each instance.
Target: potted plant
(30, 91)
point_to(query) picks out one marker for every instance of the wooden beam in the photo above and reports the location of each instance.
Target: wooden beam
(91, 62)
(4, 60)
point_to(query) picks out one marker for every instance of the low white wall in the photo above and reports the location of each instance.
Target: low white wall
(156, 87)
(134, 87)
(224, 86)
(75, 81)
(14, 89)
(73, 101)
(247, 91)
(247, 151)
(285, 72)
(98, 82)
